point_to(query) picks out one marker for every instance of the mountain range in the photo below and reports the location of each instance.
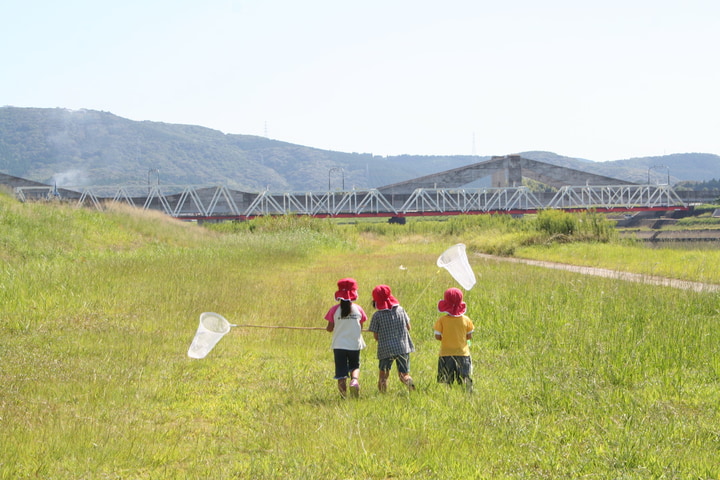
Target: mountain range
(88, 147)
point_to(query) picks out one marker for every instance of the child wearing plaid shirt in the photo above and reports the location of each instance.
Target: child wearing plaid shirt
(391, 328)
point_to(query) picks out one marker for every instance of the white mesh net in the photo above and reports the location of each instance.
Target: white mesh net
(455, 261)
(212, 328)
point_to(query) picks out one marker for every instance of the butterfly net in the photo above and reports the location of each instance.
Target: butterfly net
(455, 261)
(211, 329)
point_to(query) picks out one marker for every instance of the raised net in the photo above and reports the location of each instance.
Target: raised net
(455, 261)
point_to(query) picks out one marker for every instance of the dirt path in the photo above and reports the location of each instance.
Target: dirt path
(604, 272)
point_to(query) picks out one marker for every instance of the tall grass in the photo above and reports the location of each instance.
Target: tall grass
(694, 264)
(503, 234)
(575, 376)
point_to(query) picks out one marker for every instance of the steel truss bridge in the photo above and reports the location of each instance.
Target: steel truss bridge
(221, 203)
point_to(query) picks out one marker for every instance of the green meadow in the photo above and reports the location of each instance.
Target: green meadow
(575, 376)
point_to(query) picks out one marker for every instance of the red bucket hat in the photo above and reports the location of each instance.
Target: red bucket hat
(383, 298)
(347, 289)
(453, 304)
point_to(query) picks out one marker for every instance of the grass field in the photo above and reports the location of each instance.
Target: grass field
(575, 377)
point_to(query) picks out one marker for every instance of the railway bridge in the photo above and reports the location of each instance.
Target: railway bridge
(443, 193)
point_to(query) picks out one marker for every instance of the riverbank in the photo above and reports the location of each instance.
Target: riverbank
(704, 235)
(608, 273)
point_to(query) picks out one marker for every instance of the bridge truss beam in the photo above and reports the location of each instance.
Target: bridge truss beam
(617, 196)
(484, 200)
(192, 202)
(328, 204)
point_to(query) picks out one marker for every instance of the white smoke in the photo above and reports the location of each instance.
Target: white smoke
(71, 178)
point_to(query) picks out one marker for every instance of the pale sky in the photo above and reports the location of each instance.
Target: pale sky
(601, 80)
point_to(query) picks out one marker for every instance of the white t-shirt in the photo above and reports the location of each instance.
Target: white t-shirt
(347, 333)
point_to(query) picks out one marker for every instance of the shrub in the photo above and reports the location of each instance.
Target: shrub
(558, 225)
(556, 222)
(597, 227)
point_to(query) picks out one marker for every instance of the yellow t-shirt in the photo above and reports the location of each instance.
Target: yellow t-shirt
(454, 332)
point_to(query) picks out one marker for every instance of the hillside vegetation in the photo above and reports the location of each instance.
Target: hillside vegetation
(99, 148)
(575, 376)
(87, 147)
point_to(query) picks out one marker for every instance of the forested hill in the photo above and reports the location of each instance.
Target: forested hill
(89, 147)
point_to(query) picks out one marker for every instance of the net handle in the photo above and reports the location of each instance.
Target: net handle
(284, 327)
(277, 326)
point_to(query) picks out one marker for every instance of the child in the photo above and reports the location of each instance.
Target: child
(391, 327)
(345, 322)
(454, 330)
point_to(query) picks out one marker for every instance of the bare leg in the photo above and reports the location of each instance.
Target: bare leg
(407, 380)
(342, 386)
(382, 381)
(467, 381)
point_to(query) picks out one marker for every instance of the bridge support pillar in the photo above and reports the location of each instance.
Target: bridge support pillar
(499, 179)
(510, 174)
(514, 171)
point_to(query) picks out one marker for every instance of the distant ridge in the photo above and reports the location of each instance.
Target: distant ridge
(88, 147)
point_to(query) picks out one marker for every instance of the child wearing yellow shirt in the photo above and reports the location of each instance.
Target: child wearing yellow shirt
(454, 329)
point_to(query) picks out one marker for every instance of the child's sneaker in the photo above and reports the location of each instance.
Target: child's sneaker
(354, 387)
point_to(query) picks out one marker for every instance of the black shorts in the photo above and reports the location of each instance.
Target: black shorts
(451, 369)
(345, 362)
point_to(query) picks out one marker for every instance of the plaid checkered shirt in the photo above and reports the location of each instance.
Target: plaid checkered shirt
(392, 329)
